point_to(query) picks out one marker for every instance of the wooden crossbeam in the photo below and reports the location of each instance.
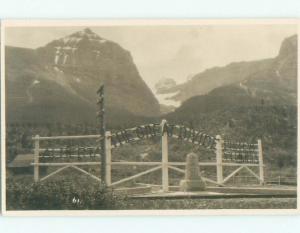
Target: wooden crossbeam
(136, 176)
(214, 164)
(211, 181)
(232, 174)
(177, 169)
(135, 163)
(66, 164)
(99, 139)
(85, 172)
(69, 137)
(154, 185)
(139, 163)
(71, 156)
(182, 163)
(54, 173)
(253, 173)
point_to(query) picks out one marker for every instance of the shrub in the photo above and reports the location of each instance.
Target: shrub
(61, 195)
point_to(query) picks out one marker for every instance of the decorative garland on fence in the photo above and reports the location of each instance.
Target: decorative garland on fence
(184, 133)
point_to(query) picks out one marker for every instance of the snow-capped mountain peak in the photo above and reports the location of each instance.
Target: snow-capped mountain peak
(81, 48)
(74, 39)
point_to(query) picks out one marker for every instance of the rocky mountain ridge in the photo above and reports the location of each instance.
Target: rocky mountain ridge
(281, 68)
(59, 80)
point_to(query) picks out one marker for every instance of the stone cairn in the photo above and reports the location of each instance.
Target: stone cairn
(193, 180)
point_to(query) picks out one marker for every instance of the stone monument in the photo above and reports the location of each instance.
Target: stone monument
(192, 180)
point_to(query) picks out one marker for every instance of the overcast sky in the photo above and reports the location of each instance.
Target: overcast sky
(173, 51)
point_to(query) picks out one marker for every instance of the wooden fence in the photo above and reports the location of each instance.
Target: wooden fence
(241, 156)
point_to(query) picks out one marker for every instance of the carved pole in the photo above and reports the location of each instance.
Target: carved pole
(101, 117)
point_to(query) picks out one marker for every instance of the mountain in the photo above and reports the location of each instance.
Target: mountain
(58, 82)
(164, 85)
(282, 67)
(164, 96)
(164, 109)
(261, 104)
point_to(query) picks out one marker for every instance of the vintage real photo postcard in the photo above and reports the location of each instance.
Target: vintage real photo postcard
(149, 117)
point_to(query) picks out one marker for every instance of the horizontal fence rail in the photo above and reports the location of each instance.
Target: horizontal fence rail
(152, 163)
(96, 136)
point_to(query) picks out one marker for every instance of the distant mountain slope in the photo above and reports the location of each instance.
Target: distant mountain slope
(275, 125)
(283, 67)
(59, 81)
(164, 84)
(262, 105)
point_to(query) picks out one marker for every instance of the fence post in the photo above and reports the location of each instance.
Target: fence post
(36, 157)
(164, 149)
(108, 157)
(260, 162)
(219, 159)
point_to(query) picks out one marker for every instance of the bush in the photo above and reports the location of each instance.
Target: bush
(61, 195)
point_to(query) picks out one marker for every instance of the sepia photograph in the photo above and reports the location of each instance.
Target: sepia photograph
(149, 115)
